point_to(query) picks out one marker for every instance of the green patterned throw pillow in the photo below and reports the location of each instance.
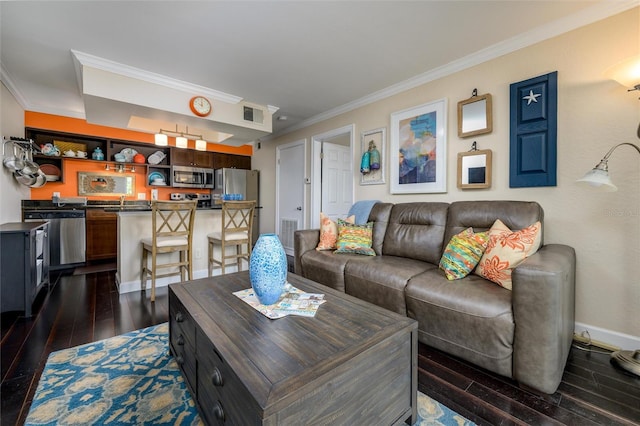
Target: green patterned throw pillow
(463, 253)
(354, 239)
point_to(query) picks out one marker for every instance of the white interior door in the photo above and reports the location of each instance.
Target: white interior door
(337, 181)
(290, 191)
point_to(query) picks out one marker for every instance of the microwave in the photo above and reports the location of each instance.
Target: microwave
(191, 177)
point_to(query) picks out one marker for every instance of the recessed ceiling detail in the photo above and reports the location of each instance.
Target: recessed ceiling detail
(121, 96)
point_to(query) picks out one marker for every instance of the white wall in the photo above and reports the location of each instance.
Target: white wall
(11, 193)
(593, 114)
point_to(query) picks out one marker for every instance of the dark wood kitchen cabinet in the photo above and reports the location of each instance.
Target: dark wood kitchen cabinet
(24, 264)
(190, 157)
(102, 234)
(231, 161)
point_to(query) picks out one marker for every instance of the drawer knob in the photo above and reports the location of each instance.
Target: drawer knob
(218, 411)
(216, 377)
(179, 317)
(180, 340)
(180, 360)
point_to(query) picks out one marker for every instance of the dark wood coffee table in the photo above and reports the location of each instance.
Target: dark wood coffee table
(354, 363)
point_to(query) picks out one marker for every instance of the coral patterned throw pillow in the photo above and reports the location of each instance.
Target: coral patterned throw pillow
(506, 250)
(329, 232)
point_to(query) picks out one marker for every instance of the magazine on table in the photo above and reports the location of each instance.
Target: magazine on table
(293, 301)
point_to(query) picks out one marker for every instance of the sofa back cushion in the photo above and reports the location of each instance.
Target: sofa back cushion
(416, 231)
(379, 215)
(481, 215)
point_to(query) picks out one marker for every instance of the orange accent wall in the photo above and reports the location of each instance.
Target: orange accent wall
(69, 188)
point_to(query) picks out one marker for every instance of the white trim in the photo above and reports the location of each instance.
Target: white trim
(316, 178)
(613, 338)
(86, 59)
(597, 12)
(132, 286)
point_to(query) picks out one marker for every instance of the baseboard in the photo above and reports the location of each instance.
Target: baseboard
(604, 338)
(131, 286)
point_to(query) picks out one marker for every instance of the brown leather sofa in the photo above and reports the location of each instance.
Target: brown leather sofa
(524, 334)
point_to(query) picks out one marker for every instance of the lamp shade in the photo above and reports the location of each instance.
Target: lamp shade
(598, 178)
(201, 145)
(626, 72)
(161, 139)
(181, 142)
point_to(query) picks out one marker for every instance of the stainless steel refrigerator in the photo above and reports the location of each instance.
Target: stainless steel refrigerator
(243, 182)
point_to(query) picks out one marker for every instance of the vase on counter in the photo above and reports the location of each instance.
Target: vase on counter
(268, 269)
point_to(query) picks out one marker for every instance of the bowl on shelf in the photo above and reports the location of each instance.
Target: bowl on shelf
(156, 178)
(51, 172)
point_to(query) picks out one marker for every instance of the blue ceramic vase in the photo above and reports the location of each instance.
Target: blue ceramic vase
(268, 269)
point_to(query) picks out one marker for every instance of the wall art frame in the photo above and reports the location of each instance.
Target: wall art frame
(418, 149)
(379, 139)
(474, 169)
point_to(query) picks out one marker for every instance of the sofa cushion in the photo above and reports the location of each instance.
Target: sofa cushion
(381, 280)
(416, 231)
(329, 232)
(355, 239)
(506, 250)
(472, 319)
(481, 215)
(463, 253)
(325, 267)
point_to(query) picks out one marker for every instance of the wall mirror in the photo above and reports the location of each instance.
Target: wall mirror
(105, 184)
(475, 116)
(474, 169)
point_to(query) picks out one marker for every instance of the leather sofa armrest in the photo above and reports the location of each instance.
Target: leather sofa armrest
(303, 241)
(544, 313)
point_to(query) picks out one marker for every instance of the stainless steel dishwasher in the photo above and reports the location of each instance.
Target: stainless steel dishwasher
(67, 240)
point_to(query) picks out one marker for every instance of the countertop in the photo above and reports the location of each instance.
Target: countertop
(107, 205)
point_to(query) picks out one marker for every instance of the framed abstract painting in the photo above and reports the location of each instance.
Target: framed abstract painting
(418, 145)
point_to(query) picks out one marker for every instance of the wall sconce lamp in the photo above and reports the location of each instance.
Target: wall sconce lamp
(181, 138)
(626, 73)
(120, 168)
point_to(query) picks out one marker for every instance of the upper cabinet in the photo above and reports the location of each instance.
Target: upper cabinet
(231, 161)
(190, 157)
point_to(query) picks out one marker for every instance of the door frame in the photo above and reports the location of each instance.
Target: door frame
(302, 142)
(316, 167)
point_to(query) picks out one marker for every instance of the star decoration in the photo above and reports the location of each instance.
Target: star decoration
(531, 97)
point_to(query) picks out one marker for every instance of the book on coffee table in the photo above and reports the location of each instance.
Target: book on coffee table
(293, 301)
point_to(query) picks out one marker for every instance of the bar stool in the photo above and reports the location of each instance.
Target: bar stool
(237, 224)
(172, 227)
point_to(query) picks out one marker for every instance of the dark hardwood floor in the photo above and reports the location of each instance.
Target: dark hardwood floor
(78, 309)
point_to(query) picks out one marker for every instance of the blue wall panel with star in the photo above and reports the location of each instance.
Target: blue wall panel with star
(533, 135)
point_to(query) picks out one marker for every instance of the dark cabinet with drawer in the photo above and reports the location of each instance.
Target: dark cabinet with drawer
(24, 264)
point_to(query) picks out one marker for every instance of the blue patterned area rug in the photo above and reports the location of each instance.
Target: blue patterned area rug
(133, 380)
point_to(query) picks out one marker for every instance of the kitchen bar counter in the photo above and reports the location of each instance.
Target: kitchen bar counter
(109, 205)
(134, 225)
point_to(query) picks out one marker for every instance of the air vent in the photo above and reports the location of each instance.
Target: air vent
(287, 228)
(253, 115)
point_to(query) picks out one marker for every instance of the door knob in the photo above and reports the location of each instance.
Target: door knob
(299, 208)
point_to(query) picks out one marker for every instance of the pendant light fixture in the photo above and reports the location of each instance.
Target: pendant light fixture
(181, 138)
(161, 139)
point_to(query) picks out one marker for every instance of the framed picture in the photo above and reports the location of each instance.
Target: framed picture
(418, 149)
(96, 183)
(474, 169)
(371, 141)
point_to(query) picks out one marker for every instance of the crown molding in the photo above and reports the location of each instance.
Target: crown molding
(592, 14)
(11, 87)
(85, 59)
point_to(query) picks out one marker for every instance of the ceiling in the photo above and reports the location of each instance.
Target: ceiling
(310, 59)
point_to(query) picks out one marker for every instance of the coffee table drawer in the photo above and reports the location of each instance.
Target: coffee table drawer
(185, 357)
(221, 392)
(181, 323)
